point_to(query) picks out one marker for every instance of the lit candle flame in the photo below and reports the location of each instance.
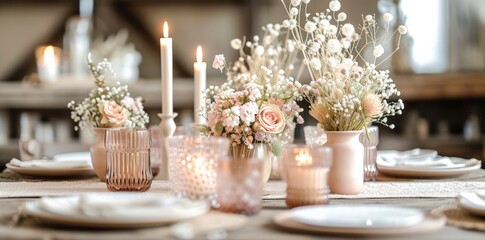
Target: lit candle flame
(303, 158)
(199, 54)
(165, 30)
(49, 55)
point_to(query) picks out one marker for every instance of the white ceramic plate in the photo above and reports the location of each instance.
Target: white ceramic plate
(73, 156)
(357, 216)
(51, 172)
(411, 155)
(177, 210)
(472, 202)
(429, 224)
(427, 171)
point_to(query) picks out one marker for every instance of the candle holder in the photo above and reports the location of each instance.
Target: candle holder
(167, 129)
(306, 174)
(193, 162)
(128, 160)
(155, 149)
(239, 185)
(48, 60)
(370, 142)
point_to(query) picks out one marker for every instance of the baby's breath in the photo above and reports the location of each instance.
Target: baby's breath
(259, 77)
(89, 113)
(344, 94)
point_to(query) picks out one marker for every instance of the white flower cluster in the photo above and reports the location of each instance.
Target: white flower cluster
(343, 94)
(106, 106)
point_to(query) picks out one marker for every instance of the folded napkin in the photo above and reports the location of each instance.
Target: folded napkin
(435, 162)
(414, 154)
(475, 198)
(52, 164)
(124, 206)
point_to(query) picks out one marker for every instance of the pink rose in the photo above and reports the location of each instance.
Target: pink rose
(114, 115)
(271, 119)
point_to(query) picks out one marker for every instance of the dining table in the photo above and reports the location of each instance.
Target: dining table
(435, 196)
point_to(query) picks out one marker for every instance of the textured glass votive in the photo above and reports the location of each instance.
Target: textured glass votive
(370, 152)
(314, 136)
(239, 185)
(155, 150)
(306, 174)
(128, 160)
(192, 162)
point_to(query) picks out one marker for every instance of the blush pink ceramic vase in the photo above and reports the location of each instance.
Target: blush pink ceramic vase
(98, 154)
(346, 175)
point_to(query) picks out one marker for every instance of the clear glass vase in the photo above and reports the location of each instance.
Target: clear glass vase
(370, 140)
(128, 160)
(239, 185)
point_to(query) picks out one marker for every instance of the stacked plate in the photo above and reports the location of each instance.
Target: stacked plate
(472, 202)
(63, 165)
(423, 163)
(359, 220)
(114, 210)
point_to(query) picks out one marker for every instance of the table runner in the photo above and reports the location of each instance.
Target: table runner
(272, 190)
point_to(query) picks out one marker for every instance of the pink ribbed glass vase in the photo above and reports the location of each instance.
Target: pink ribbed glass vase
(128, 160)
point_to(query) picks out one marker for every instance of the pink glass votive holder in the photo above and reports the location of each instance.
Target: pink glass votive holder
(192, 164)
(307, 174)
(155, 150)
(128, 160)
(239, 185)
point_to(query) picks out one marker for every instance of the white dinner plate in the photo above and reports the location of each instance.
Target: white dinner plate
(51, 172)
(73, 156)
(472, 202)
(428, 171)
(357, 216)
(176, 210)
(410, 155)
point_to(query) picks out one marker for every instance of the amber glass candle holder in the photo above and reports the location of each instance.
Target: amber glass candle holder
(239, 185)
(128, 160)
(306, 174)
(370, 140)
(192, 162)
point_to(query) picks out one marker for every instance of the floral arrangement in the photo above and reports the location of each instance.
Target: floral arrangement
(347, 91)
(258, 103)
(107, 106)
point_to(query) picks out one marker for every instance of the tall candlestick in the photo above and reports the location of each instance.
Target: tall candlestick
(200, 79)
(167, 72)
(167, 126)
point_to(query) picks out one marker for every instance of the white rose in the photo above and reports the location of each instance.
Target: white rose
(113, 114)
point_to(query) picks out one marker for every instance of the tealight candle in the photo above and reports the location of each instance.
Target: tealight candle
(193, 162)
(306, 174)
(48, 63)
(199, 86)
(166, 57)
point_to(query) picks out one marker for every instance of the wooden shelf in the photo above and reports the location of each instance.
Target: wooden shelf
(440, 86)
(15, 95)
